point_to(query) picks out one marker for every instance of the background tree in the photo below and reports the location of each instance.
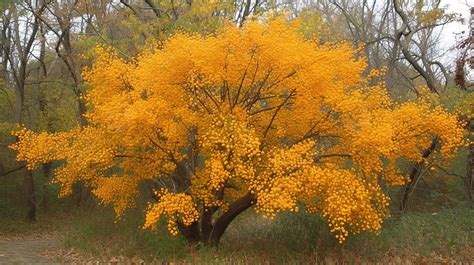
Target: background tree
(403, 37)
(19, 33)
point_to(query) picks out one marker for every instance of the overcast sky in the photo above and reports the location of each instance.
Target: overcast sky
(452, 31)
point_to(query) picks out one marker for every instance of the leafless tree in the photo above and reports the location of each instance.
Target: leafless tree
(19, 34)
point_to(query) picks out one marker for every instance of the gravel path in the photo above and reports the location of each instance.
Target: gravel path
(32, 249)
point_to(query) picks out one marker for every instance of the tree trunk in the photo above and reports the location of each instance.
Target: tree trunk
(415, 176)
(470, 163)
(30, 196)
(206, 224)
(225, 219)
(45, 202)
(191, 233)
(209, 233)
(81, 194)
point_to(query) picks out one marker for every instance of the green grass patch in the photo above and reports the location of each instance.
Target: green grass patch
(99, 234)
(445, 235)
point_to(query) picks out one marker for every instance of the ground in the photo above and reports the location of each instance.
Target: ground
(34, 248)
(47, 248)
(438, 228)
(92, 236)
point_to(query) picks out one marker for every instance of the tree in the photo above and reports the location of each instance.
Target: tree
(253, 117)
(18, 42)
(402, 36)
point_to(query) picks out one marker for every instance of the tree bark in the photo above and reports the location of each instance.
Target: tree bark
(191, 233)
(209, 233)
(30, 196)
(206, 224)
(225, 219)
(415, 176)
(470, 163)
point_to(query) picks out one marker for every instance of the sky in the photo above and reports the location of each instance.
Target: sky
(452, 30)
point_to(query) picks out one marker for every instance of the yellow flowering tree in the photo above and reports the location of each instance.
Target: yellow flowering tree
(249, 117)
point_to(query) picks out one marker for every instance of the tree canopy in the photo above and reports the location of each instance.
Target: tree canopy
(253, 116)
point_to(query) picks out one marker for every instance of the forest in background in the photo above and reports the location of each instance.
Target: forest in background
(46, 45)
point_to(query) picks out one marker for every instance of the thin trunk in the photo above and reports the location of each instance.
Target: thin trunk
(47, 168)
(191, 233)
(30, 196)
(225, 219)
(210, 233)
(206, 224)
(415, 176)
(470, 163)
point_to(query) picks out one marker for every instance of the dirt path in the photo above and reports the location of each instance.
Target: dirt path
(37, 249)
(48, 249)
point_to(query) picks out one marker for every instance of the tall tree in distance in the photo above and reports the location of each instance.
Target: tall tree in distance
(19, 34)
